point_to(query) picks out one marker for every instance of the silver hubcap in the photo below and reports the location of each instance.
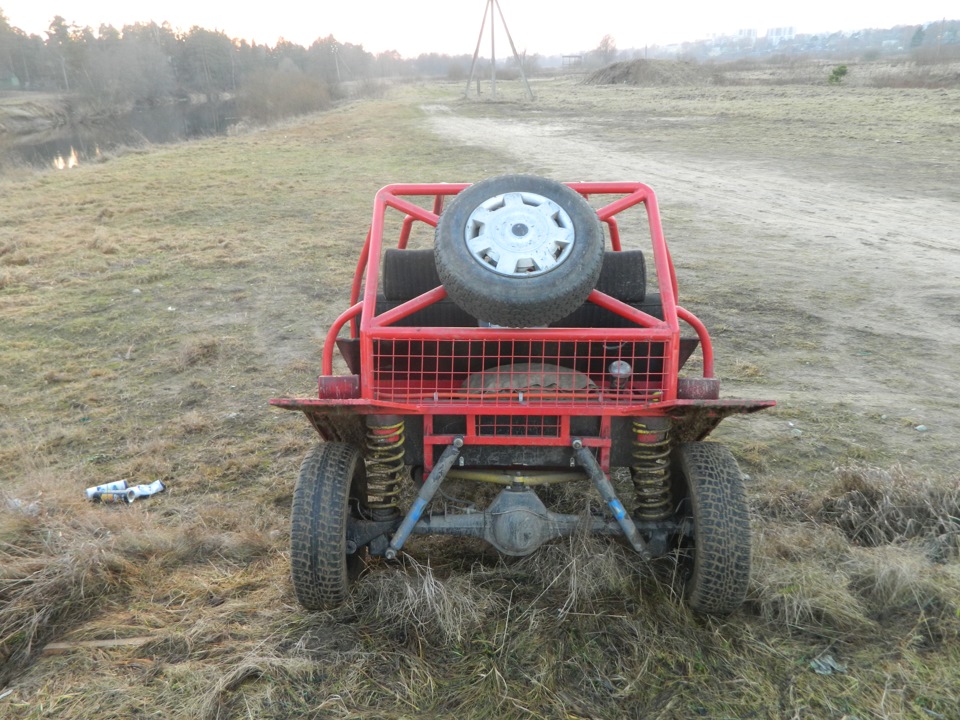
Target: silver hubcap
(519, 234)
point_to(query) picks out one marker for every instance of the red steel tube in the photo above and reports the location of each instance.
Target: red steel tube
(358, 280)
(326, 365)
(706, 345)
(614, 233)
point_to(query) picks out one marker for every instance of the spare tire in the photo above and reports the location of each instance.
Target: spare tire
(519, 250)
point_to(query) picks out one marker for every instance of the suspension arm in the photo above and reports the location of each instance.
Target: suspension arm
(427, 491)
(600, 480)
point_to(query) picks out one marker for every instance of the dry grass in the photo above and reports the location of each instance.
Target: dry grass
(745, 370)
(64, 559)
(893, 577)
(585, 571)
(875, 546)
(873, 507)
(797, 584)
(198, 350)
(50, 588)
(168, 294)
(412, 601)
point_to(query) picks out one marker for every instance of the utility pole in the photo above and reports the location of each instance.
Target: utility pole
(489, 9)
(493, 55)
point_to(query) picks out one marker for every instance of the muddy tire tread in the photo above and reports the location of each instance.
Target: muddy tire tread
(721, 565)
(320, 566)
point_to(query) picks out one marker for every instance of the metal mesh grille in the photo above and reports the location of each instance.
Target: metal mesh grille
(518, 425)
(512, 372)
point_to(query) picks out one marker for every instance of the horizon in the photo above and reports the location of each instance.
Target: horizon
(631, 27)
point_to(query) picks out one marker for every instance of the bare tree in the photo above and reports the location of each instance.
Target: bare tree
(606, 51)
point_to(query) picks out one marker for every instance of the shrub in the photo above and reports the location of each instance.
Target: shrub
(838, 73)
(270, 95)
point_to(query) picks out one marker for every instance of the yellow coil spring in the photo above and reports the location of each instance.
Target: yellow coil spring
(651, 472)
(384, 467)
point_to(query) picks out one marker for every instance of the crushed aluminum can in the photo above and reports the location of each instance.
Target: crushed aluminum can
(93, 493)
(139, 491)
(118, 496)
(118, 492)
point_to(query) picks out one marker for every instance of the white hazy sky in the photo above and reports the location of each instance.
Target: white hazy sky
(547, 27)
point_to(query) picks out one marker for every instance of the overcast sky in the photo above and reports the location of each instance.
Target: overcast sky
(547, 27)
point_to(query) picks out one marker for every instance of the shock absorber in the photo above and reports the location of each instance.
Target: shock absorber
(650, 469)
(384, 461)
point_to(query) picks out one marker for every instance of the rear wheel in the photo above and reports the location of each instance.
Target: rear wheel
(718, 564)
(331, 482)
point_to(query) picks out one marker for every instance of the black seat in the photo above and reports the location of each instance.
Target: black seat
(408, 273)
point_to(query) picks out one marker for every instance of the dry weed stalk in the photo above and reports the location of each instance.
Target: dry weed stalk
(282, 671)
(583, 569)
(41, 593)
(415, 601)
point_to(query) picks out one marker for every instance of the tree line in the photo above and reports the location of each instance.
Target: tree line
(147, 64)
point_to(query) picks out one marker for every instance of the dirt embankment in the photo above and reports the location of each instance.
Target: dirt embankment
(901, 72)
(29, 113)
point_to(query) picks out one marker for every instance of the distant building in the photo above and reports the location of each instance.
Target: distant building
(780, 34)
(749, 34)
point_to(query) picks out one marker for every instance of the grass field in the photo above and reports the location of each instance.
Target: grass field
(152, 304)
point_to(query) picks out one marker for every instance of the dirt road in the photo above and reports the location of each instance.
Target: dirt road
(838, 298)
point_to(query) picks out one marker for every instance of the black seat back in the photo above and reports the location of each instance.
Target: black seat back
(408, 273)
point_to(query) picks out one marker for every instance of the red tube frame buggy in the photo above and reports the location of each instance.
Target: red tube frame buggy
(521, 407)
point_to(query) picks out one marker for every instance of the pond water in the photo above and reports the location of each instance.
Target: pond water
(81, 142)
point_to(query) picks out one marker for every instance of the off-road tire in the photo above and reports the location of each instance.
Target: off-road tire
(719, 570)
(518, 300)
(332, 477)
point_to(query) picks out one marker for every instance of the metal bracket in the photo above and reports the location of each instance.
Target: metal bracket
(363, 532)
